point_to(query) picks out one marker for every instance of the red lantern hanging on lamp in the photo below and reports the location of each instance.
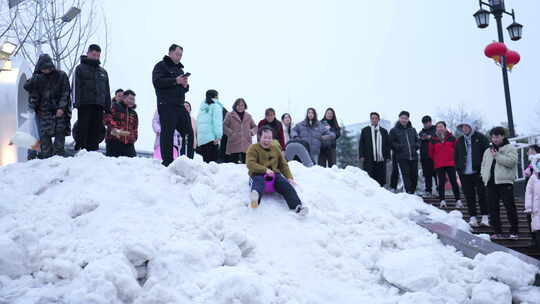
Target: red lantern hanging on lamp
(512, 58)
(495, 50)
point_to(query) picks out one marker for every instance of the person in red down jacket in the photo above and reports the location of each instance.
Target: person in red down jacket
(122, 127)
(441, 151)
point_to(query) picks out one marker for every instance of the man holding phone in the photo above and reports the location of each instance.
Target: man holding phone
(171, 85)
(428, 132)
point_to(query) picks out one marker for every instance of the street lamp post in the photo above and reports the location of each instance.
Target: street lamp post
(497, 9)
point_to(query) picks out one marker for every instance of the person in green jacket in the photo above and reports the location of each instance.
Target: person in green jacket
(264, 159)
(210, 126)
(498, 170)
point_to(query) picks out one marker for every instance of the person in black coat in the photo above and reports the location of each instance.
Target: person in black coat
(428, 132)
(328, 155)
(92, 98)
(469, 153)
(374, 149)
(405, 144)
(50, 98)
(171, 86)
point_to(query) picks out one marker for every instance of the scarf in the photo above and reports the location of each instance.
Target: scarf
(376, 141)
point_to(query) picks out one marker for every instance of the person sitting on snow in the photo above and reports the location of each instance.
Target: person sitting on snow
(265, 159)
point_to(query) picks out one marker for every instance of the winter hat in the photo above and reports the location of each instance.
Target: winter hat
(404, 113)
(535, 162)
(465, 123)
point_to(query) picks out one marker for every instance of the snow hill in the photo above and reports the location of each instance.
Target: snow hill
(92, 229)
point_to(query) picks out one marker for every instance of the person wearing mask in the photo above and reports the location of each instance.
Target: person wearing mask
(49, 98)
(277, 128)
(405, 144)
(171, 85)
(118, 96)
(287, 122)
(264, 159)
(191, 141)
(374, 149)
(156, 126)
(533, 150)
(469, 151)
(499, 165)
(210, 126)
(122, 127)
(428, 170)
(239, 128)
(441, 151)
(327, 158)
(91, 98)
(312, 131)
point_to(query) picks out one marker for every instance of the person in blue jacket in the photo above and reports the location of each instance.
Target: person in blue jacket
(210, 126)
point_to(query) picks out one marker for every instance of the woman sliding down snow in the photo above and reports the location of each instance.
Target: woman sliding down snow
(264, 159)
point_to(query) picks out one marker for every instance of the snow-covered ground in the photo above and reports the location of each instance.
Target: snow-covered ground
(92, 229)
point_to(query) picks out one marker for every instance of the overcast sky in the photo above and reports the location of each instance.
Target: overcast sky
(357, 56)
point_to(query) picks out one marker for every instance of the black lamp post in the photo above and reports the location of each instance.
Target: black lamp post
(497, 9)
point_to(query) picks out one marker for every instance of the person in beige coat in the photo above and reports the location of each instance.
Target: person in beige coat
(499, 168)
(239, 128)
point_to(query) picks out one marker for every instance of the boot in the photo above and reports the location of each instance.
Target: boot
(485, 221)
(254, 197)
(473, 222)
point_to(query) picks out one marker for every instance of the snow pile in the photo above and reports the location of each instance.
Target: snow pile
(92, 229)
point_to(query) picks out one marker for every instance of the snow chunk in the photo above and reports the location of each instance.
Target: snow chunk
(14, 260)
(505, 268)
(412, 270)
(491, 292)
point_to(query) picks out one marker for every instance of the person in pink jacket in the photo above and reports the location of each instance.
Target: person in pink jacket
(157, 129)
(532, 198)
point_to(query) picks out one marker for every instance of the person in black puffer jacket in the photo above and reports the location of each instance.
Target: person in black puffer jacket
(427, 133)
(92, 98)
(327, 158)
(405, 144)
(50, 99)
(171, 86)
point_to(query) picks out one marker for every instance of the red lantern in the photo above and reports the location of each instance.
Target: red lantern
(512, 58)
(495, 50)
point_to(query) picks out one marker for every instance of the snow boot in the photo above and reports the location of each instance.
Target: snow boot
(254, 197)
(301, 210)
(485, 221)
(473, 222)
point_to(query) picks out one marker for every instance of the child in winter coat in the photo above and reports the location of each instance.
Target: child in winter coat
(122, 127)
(532, 198)
(156, 125)
(264, 159)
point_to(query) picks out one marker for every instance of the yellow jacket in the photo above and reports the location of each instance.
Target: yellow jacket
(258, 159)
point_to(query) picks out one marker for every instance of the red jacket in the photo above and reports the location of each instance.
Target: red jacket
(442, 151)
(277, 129)
(123, 118)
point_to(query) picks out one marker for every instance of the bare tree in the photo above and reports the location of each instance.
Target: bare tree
(454, 115)
(61, 28)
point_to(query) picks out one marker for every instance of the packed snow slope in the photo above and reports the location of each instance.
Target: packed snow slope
(92, 229)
